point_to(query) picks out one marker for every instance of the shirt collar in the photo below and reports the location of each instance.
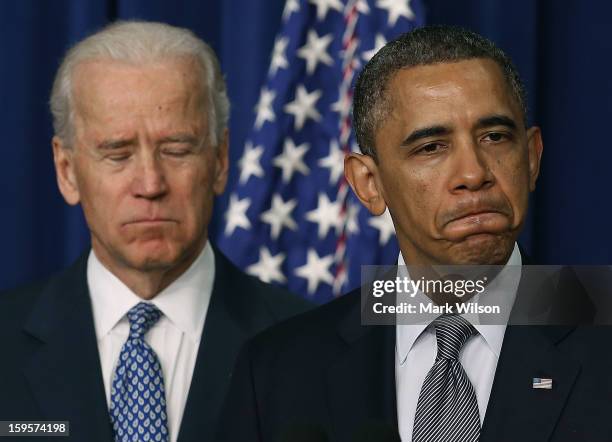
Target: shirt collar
(184, 302)
(503, 287)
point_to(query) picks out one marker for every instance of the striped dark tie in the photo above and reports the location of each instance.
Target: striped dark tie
(447, 410)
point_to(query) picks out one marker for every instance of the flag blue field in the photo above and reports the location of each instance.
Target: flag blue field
(292, 218)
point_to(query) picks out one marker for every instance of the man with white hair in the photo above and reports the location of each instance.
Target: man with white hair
(136, 341)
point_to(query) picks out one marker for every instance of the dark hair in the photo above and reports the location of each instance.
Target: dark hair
(423, 46)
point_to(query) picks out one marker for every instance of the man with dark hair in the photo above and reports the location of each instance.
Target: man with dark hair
(440, 118)
(424, 46)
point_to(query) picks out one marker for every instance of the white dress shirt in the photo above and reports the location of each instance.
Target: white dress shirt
(175, 338)
(416, 349)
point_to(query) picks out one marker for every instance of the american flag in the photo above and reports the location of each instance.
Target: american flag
(542, 383)
(292, 218)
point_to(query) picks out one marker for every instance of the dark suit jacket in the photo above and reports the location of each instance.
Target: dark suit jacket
(323, 370)
(50, 367)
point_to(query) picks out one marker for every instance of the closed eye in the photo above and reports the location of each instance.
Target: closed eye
(177, 149)
(176, 152)
(119, 157)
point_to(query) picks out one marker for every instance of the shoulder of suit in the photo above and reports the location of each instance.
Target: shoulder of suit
(16, 306)
(17, 303)
(313, 328)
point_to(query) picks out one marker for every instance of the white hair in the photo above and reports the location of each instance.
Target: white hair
(140, 42)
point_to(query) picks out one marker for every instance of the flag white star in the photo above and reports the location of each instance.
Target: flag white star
(235, 216)
(292, 159)
(279, 215)
(396, 9)
(268, 267)
(362, 7)
(316, 270)
(303, 106)
(334, 162)
(279, 58)
(315, 51)
(384, 225)
(290, 7)
(249, 163)
(379, 42)
(352, 219)
(327, 215)
(325, 5)
(264, 107)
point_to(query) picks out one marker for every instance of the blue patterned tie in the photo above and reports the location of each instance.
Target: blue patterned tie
(138, 400)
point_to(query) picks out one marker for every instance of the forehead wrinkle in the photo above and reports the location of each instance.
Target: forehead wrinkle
(177, 72)
(94, 108)
(467, 91)
(472, 94)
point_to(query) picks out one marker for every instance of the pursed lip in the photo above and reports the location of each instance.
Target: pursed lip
(475, 221)
(145, 221)
(475, 214)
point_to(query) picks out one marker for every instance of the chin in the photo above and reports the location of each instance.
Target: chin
(151, 257)
(151, 263)
(482, 249)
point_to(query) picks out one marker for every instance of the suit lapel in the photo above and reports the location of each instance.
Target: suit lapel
(220, 343)
(64, 372)
(516, 410)
(361, 382)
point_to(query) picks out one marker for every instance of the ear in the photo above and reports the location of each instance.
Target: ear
(222, 164)
(534, 147)
(63, 158)
(361, 172)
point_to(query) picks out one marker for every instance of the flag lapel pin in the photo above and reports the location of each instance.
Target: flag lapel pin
(542, 383)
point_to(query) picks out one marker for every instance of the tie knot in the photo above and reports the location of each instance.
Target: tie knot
(142, 317)
(452, 331)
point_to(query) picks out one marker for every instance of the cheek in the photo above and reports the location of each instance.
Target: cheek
(513, 178)
(99, 194)
(411, 194)
(425, 192)
(197, 194)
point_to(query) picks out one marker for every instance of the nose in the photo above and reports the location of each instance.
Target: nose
(149, 180)
(471, 171)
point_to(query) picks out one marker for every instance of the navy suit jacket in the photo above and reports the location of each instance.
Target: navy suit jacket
(324, 372)
(50, 367)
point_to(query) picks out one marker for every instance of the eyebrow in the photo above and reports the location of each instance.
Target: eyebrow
(115, 144)
(426, 132)
(496, 120)
(434, 131)
(180, 138)
(119, 143)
